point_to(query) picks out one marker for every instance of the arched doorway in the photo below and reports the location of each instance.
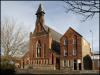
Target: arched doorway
(87, 61)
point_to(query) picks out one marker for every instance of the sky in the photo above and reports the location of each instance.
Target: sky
(23, 12)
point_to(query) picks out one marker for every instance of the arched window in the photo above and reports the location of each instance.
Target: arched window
(74, 45)
(74, 52)
(65, 42)
(38, 49)
(65, 52)
(74, 39)
(65, 46)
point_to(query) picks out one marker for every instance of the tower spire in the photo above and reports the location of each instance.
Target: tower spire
(40, 10)
(40, 18)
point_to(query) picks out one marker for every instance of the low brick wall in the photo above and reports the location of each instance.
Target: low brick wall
(44, 67)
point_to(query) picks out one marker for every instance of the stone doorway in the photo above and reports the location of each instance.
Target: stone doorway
(75, 64)
(87, 61)
(80, 66)
(57, 63)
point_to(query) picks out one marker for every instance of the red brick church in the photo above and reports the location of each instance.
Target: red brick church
(50, 50)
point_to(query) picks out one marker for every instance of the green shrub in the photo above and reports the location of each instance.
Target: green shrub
(7, 67)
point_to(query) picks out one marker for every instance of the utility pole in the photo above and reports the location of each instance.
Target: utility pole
(92, 48)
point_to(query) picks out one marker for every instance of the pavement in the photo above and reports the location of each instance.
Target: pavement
(63, 72)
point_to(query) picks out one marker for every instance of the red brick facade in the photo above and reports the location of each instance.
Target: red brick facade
(49, 49)
(73, 42)
(40, 44)
(71, 47)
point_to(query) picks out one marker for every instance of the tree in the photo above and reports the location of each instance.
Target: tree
(13, 39)
(85, 8)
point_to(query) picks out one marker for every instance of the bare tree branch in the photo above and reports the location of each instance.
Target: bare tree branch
(85, 8)
(12, 39)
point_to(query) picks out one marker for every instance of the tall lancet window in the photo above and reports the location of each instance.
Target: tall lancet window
(65, 42)
(74, 45)
(38, 49)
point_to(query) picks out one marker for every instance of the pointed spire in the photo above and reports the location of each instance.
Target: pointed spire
(40, 10)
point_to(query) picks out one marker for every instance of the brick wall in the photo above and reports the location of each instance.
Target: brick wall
(73, 49)
(69, 35)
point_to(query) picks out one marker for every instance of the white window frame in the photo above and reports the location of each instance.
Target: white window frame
(38, 50)
(65, 42)
(73, 41)
(74, 52)
(65, 52)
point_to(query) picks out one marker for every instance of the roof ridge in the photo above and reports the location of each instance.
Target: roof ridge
(53, 29)
(75, 31)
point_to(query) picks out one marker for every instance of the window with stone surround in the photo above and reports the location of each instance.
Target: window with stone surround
(38, 49)
(74, 40)
(74, 52)
(65, 52)
(65, 46)
(65, 42)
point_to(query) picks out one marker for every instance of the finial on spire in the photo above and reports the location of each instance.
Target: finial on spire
(40, 9)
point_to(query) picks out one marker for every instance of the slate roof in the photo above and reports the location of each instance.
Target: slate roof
(55, 35)
(56, 39)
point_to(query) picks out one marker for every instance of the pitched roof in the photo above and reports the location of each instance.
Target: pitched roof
(74, 31)
(55, 35)
(70, 28)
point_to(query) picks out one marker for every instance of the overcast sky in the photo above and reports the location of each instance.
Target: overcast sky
(23, 12)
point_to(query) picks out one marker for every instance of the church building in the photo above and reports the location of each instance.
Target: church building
(50, 50)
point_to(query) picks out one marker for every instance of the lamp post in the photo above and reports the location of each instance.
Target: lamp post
(92, 48)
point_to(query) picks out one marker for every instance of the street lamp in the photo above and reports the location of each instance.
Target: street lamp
(92, 48)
